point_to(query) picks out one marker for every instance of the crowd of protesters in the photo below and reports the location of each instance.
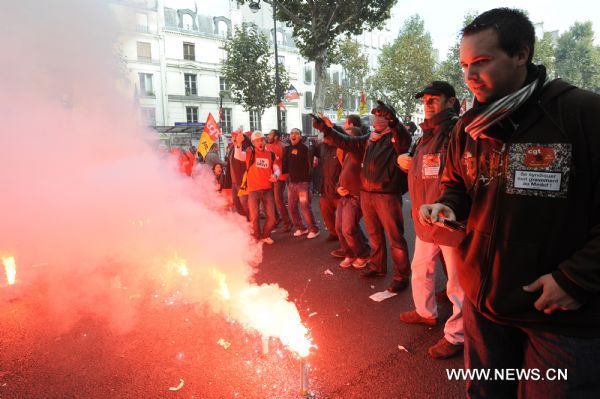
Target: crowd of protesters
(506, 196)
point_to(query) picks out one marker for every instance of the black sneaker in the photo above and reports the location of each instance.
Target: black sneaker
(370, 273)
(398, 286)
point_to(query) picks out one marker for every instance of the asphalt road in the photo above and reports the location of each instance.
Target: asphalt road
(358, 341)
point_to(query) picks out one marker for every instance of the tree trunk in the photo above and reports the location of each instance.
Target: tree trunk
(320, 81)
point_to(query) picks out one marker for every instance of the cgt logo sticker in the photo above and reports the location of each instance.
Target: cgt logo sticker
(537, 156)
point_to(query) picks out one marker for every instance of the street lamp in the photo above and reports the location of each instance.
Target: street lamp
(254, 7)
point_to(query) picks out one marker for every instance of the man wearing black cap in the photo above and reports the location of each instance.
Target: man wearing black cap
(424, 169)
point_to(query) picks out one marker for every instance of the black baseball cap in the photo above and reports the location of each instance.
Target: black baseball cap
(437, 87)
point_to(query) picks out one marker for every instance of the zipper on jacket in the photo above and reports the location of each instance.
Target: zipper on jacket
(492, 242)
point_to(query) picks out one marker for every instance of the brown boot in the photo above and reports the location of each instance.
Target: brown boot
(443, 349)
(412, 317)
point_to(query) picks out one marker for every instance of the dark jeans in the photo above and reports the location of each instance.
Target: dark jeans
(279, 188)
(299, 193)
(328, 207)
(268, 202)
(383, 214)
(489, 345)
(240, 203)
(347, 226)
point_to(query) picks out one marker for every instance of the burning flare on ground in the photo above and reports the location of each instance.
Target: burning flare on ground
(10, 268)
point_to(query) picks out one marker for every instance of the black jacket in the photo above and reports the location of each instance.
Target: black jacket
(331, 168)
(379, 172)
(297, 162)
(532, 197)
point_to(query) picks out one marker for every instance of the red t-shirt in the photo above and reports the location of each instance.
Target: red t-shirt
(260, 171)
(278, 151)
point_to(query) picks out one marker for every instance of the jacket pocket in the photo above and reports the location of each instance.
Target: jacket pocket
(515, 265)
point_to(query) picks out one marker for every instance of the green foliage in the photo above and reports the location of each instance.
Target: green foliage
(450, 69)
(355, 68)
(405, 67)
(577, 59)
(544, 53)
(249, 70)
(318, 24)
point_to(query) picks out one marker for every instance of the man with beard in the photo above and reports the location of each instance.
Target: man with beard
(297, 162)
(381, 190)
(523, 169)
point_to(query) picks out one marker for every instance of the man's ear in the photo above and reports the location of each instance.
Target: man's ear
(522, 56)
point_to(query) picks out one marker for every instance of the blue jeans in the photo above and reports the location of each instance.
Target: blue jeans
(489, 345)
(347, 226)
(299, 193)
(240, 203)
(279, 188)
(383, 214)
(268, 202)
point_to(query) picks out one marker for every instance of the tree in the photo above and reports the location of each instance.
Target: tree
(405, 66)
(450, 69)
(355, 68)
(544, 53)
(249, 70)
(318, 24)
(577, 59)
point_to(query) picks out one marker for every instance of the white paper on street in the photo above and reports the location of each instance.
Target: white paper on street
(383, 295)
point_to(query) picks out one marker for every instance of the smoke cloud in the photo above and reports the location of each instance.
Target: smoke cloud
(95, 218)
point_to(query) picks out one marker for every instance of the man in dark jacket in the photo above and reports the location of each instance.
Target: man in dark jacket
(235, 170)
(297, 162)
(330, 173)
(524, 169)
(424, 169)
(381, 189)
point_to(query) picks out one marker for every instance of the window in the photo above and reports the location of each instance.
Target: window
(144, 51)
(281, 60)
(187, 22)
(141, 22)
(255, 121)
(283, 121)
(148, 116)
(189, 51)
(307, 74)
(222, 28)
(336, 78)
(146, 88)
(223, 84)
(279, 36)
(190, 84)
(191, 114)
(308, 99)
(226, 121)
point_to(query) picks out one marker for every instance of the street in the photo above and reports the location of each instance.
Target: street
(186, 351)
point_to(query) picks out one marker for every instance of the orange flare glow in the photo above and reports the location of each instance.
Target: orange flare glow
(10, 268)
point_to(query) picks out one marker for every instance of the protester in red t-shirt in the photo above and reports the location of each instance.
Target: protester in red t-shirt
(275, 145)
(262, 172)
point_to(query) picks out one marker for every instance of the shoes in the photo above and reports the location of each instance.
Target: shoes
(347, 262)
(443, 349)
(360, 263)
(370, 273)
(398, 286)
(332, 237)
(412, 317)
(299, 232)
(338, 253)
(267, 240)
(313, 234)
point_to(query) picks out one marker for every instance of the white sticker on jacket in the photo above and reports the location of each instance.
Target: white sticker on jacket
(431, 166)
(536, 169)
(262, 163)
